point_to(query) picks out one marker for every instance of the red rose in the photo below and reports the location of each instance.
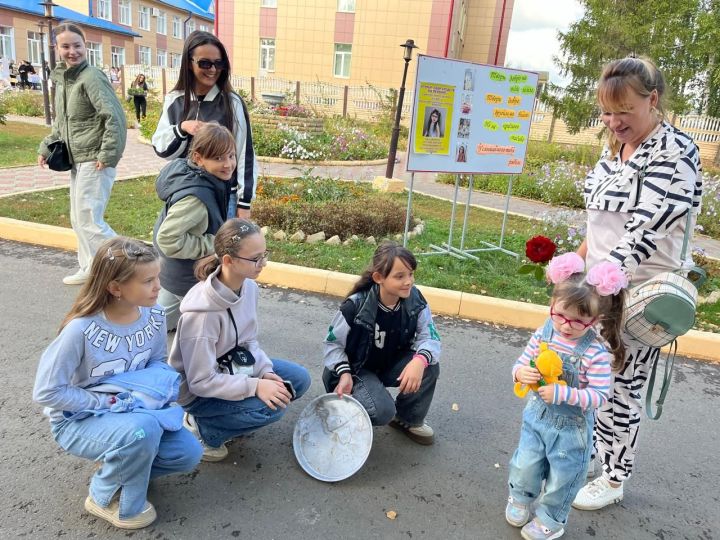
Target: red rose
(540, 249)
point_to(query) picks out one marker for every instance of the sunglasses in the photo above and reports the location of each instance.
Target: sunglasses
(204, 63)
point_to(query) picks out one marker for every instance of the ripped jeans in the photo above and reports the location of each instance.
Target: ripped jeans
(219, 420)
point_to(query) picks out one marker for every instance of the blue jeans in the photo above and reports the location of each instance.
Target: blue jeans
(219, 420)
(369, 388)
(232, 205)
(133, 449)
(556, 448)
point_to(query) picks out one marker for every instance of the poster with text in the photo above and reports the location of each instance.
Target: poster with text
(470, 118)
(435, 108)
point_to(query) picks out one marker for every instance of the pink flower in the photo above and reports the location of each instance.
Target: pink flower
(607, 278)
(562, 267)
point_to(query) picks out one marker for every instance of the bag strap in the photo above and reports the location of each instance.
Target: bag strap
(667, 376)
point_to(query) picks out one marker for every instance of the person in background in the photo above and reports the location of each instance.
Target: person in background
(140, 90)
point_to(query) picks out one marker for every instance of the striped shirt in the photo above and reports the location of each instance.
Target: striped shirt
(656, 186)
(594, 375)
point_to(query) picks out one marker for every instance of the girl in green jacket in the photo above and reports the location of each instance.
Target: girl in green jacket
(90, 121)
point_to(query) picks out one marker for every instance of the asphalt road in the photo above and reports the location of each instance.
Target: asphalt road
(455, 489)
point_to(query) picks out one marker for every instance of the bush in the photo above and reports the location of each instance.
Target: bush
(315, 204)
(24, 103)
(3, 110)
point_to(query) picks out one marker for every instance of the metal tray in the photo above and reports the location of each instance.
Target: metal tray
(332, 437)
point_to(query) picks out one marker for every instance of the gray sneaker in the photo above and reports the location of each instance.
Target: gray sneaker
(516, 514)
(537, 531)
(210, 453)
(420, 434)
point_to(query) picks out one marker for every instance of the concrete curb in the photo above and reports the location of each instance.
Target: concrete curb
(694, 344)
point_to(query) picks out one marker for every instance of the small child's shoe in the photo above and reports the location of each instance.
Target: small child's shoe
(210, 453)
(423, 434)
(597, 494)
(516, 514)
(111, 514)
(537, 531)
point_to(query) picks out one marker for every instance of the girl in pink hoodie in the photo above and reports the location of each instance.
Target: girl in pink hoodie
(230, 387)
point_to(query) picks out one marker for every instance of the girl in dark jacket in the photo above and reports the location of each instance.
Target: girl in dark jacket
(383, 335)
(139, 94)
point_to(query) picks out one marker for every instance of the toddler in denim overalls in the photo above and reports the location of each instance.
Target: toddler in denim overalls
(556, 435)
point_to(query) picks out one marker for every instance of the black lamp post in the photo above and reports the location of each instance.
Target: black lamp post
(409, 45)
(46, 96)
(48, 7)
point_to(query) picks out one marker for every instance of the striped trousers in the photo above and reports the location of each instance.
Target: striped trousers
(618, 421)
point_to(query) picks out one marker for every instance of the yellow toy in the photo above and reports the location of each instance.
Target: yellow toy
(549, 364)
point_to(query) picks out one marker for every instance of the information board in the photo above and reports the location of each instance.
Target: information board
(470, 118)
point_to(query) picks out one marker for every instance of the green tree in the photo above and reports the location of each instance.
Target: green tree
(667, 31)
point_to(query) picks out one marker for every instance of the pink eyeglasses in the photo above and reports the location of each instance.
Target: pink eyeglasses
(573, 323)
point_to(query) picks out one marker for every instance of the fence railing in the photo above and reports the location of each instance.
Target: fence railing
(367, 102)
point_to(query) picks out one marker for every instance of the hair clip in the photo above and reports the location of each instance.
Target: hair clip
(563, 266)
(607, 278)
(110, 255)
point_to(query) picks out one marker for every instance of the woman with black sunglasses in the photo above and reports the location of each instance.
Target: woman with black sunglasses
(203, 94)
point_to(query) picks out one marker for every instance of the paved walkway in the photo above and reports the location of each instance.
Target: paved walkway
(140, 159)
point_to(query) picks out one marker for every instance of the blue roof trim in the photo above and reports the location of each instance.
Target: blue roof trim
(62, 13)
(196, 7)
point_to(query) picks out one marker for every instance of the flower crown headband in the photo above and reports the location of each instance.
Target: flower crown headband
(607, 278)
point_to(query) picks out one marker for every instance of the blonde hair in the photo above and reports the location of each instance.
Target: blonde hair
(211, 141)
(576, 292)
(228, 241)
(620, 77)
(115, 260)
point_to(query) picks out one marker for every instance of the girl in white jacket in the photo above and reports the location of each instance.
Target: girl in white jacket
(230, 386)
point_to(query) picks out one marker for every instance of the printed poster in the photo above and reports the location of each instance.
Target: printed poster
(435, 109)
(477, 121)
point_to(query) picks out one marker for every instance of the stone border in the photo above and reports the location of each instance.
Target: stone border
(268, 159)
(694, 344)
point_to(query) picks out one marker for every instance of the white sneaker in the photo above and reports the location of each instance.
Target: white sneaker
(598, 494)
(111, 514)
(210, 453)
(420, 434)
(78, 278)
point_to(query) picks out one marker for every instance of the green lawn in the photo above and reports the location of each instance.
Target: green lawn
(134, 206)
(19, 143)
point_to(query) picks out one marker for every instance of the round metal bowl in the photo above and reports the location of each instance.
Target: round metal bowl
(333, 437)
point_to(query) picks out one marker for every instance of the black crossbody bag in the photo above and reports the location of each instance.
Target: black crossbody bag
(236, 357)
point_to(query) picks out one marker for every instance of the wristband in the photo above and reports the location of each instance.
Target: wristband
(424, 360)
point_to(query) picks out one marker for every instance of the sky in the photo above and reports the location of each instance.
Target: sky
(533, 34)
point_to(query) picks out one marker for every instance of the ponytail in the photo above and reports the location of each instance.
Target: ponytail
(612, 329)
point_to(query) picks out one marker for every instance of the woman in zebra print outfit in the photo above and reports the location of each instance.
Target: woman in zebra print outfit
(637, 198)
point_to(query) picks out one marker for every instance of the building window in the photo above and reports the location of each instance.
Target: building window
(104, 10)
(94, 54)
(190, 27)
(175, 60)
(6, 42)
(161, 22)
(117, 56)
(268, 3)
(343, 53)
(34, 47)
(203, 27)
(144, 55)
(346, 6)
(161, 58)
(125, 12)
(177, 28)
(144, 18)
(267, 54)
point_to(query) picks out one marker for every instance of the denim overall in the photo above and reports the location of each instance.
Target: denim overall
(555, 445)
